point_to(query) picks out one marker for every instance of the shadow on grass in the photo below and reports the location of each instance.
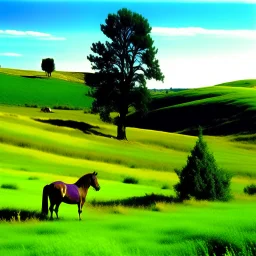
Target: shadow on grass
(137, 201)
(40, 77)
(7, 214)
(84, 127)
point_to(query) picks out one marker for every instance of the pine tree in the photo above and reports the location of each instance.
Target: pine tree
(201, 178)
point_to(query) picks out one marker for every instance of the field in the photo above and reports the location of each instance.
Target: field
(27, 88)
(37, 148)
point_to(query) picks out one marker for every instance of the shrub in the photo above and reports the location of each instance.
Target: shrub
(105, 114)
(65, 108)
(201, 178)
(9, 186)
(31, 105)
(165, 186)
(33, 178)
(130, 180)
(250, 190)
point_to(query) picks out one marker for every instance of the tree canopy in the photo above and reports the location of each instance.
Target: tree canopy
(122, 64)
(48, 66)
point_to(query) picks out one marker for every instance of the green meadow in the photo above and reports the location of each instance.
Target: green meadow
(38, 148)
(40, 91)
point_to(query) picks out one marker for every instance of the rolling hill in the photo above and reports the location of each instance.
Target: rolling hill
(77, 77)
(32, 88)
(220, 110)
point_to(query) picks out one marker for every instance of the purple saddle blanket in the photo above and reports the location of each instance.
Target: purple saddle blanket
(72, 193)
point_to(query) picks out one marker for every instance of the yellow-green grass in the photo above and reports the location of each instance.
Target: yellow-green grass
(77, 77)
(144, 149)
(220, 110)
(34, 153)
(43, 91)
(250, 83)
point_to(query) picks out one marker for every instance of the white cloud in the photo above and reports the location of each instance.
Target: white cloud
(39, 34)
(10, 54)
(195, 31)
(33, 34)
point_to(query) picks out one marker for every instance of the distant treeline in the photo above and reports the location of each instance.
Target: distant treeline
(167, 90)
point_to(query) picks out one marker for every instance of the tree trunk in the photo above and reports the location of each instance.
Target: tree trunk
(121, 128)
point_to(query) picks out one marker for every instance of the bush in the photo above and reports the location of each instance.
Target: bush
(130, 180)
(33, 178)
(165, 186)
(9, 186)
(201, 178)
(105, 115)
(250, 190)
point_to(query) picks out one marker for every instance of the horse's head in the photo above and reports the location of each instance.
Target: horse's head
(94, 181)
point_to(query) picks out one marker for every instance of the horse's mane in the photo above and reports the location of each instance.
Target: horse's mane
(83, 180)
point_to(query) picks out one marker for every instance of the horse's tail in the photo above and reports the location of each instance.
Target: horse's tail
(45, 200)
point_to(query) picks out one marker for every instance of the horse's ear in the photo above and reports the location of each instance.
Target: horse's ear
(94, 173)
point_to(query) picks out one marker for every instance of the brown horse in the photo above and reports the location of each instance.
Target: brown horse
(59, 192)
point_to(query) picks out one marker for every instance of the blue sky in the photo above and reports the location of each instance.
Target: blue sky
(199, 44)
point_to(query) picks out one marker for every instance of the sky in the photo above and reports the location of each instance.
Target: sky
(200, 43)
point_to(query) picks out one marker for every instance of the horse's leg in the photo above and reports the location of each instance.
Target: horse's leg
(57, 209)
(51, 209)
(52, 203)
(80, 206)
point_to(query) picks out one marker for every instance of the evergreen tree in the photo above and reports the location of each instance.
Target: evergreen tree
(201, 178)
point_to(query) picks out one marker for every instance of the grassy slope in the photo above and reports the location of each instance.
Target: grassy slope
(83, 144)
(18, 90)
(33, 154)
(249, 83)
(220, 110)
(77, 77)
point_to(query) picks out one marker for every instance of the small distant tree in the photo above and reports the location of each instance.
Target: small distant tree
(48, 66)
(201, 178)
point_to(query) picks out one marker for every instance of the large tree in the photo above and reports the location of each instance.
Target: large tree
(122, 64)
(48, 66)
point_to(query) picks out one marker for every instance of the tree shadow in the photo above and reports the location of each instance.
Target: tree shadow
(84, 127)
(40, 77)
(7, 214)
(138, 201)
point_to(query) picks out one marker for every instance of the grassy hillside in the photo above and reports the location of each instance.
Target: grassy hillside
(42, 91)
(220, 110)
(38, 148)
(84, 136)
(77, 77)
(249, 83)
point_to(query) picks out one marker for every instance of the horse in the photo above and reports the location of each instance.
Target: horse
(59, 192)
